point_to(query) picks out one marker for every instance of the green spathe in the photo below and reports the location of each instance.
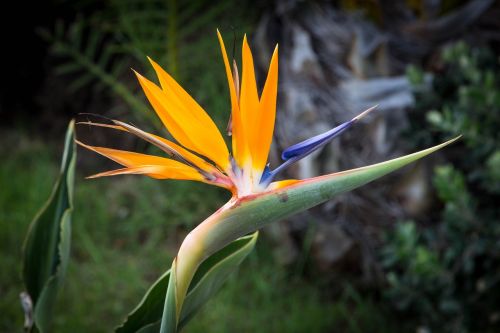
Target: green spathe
(244, 215)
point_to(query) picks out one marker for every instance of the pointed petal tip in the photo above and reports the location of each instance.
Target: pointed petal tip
(106, 173)
(78, 142)
(139, 76)
(219, 36)
(92, 148)
(364, 113)
(274, 56)
(153, 63)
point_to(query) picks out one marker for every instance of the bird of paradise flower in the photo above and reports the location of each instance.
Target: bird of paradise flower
(201, 154)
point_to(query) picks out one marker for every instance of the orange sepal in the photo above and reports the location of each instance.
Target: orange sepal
(171, 169)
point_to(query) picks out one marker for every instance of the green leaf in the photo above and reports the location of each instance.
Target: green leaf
(47, 244)
(209, 277)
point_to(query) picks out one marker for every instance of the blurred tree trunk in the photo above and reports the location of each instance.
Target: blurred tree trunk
(334, 64)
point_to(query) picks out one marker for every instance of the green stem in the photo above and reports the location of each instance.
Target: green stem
(184, 266)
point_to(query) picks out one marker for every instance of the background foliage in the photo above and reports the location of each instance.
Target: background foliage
(448, 274)
(99, 49)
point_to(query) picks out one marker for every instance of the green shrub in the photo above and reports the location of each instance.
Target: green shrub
(447, 275)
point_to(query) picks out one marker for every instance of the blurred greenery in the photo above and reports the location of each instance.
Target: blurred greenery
(125, 232)
(447, 276)
(98, 51)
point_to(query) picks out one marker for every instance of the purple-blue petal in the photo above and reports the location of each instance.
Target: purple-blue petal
(300, 150)
(308, 146)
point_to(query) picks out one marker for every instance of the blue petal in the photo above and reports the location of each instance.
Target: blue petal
(306, 147)
(300, 150)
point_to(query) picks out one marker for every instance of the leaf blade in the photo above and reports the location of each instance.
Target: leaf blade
(47, 243)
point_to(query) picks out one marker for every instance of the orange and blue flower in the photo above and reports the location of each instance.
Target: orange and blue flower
(201, 153)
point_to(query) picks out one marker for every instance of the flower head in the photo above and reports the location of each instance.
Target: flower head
(201, 153)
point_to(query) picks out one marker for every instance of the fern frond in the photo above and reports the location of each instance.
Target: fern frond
(101, 48)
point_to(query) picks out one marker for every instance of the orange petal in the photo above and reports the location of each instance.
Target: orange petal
(249, 100)
(266, 116)
(239, 145)
(191, 129)
(170, 168)
(153, 171)
(281, 184)
(171, 147)
(174, 91)
(152, 138)
(150, 89)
